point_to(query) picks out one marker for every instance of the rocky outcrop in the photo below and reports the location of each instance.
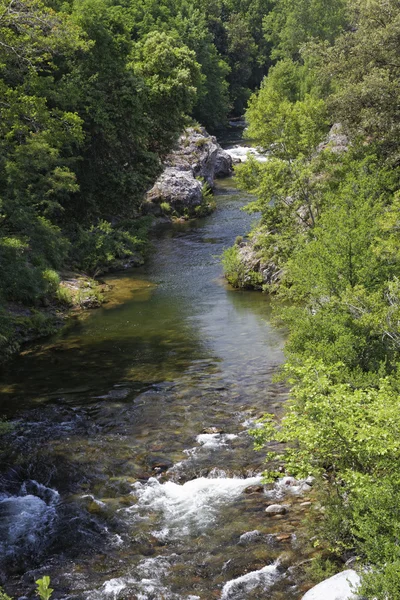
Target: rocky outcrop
(337, 141)
(339, 587)
(255, 271)
(197, 159)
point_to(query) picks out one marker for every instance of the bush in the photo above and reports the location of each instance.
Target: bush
(97, 249)
(165, 207)
(234, 268)
(236, 271)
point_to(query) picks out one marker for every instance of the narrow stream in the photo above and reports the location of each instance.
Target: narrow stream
(130, 473)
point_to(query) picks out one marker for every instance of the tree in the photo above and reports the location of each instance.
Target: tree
(292, 23)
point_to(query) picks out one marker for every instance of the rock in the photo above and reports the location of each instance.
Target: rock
(223, 164)
(339, 587)
(276, 509)
(212, 430)
(283, 537)
(143, 476)
(304, 504)
(178, 188)
(249, 537)
(250, 256)
(305, 488)
(159, 464)
(337, 141)
(254, 489)
(200, 152)
(197, 155)
(290, 481)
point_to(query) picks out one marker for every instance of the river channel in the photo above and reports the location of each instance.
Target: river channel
(113, 480)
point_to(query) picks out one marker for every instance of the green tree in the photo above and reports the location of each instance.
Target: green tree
(292, 23)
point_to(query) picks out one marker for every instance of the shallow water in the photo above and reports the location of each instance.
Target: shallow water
(112, 482)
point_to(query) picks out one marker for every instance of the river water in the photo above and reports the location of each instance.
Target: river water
(112, 480)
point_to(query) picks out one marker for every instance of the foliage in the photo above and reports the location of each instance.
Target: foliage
(44, 591)
(330, 222)
(233, 267)
(98, 248)
(292, 23)
(363, 65)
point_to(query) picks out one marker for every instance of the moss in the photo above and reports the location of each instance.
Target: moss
(201, 142)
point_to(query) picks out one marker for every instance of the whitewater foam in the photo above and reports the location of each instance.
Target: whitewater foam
(26, 519)
(241, 153)
(214, 441)
(264, 578)
(191, 507)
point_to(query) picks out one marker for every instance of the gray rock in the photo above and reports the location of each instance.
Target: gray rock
(179, 188)
(339, 587)
(200, 152)
(276, 509)
(337, 141)
(250, 255)
(305, 488)
(197, 156)
(213, 430)
(223, 164)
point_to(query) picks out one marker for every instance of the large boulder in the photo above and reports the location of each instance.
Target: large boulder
(178, 188)
(339, 587)
(198, 158)
(199, 152)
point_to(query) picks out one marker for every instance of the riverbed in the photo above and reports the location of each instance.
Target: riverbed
(130, 472)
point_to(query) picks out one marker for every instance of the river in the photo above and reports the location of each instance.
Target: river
(113, 481)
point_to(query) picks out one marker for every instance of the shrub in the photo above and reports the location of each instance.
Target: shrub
(98, 248)
(234, 268)
(165, 207)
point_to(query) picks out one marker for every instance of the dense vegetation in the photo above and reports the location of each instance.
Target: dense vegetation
(93, 95)
(330, 227)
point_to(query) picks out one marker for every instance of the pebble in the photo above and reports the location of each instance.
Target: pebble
(276, 509)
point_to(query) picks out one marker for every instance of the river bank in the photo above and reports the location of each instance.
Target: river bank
(182, 192)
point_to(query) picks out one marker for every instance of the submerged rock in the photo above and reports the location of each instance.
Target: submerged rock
(254, 489)
(212, 430)
(276, 509)
(159, 463)
(339, 587)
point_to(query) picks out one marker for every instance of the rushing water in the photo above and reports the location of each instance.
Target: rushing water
(112, 481)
